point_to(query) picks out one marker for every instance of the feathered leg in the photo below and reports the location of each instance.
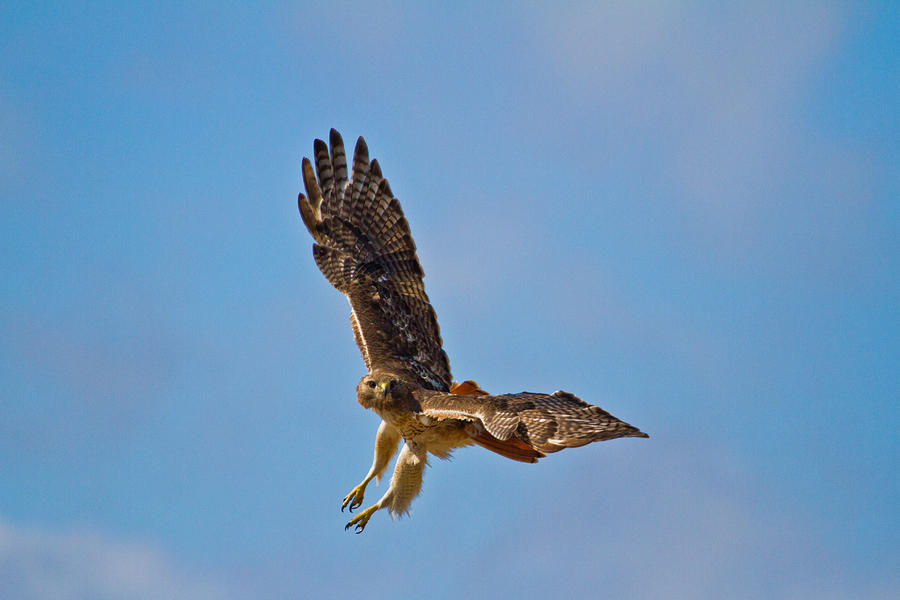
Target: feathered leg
(386, 441)
(405, 485)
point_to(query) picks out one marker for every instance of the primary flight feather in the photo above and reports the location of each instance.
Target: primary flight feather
(364, 248)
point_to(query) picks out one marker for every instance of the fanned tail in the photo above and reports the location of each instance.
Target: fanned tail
(467, 387)
(513, 448)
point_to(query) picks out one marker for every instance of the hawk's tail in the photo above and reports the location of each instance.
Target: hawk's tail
(512, 448)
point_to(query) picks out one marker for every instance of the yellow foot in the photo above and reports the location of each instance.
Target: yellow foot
(361, 519)
(355, 497)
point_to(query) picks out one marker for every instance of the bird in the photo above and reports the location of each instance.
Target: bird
(364, 248)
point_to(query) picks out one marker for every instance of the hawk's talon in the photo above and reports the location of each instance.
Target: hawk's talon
(355, 498)
(361, 520)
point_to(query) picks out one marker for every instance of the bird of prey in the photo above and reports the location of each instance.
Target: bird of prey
(364, 248)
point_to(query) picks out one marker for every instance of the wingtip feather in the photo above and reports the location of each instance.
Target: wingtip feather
(312, 186)
(307, 214)
(361, 149)
(335, 138)
(385, 188)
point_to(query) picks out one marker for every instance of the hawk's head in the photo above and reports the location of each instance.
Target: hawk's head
(383, 389)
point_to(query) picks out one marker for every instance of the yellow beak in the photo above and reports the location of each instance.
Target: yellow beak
(382, 388)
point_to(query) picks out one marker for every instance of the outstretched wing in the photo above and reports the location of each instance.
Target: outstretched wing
(544, 422)
(364, 248)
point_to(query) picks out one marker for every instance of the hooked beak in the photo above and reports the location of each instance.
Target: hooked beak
(381, 388)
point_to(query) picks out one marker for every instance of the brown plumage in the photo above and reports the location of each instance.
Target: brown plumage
(365, 249)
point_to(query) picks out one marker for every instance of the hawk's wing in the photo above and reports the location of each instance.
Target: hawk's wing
(544, 422)
(364, 248)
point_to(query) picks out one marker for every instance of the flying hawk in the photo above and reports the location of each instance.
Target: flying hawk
(364, 248)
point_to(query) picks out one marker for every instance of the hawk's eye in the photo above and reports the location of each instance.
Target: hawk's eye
(393, 383)
(371, 383)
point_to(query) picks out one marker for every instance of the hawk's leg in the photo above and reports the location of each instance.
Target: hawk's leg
(386, 441)
(405, 485)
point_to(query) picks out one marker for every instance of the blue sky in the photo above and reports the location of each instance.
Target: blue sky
(685, 213)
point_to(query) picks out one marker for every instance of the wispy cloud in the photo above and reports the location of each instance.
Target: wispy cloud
(42, 564)
(716, 95)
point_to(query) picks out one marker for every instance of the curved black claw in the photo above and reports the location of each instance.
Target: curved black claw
(359, 527)
(361, 520)
(354, 499)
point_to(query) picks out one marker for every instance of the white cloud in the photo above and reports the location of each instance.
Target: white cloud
(39, 564)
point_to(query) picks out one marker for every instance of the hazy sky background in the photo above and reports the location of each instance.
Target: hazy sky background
(686, 213)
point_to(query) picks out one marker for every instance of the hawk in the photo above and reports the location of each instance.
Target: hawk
(364, 248)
